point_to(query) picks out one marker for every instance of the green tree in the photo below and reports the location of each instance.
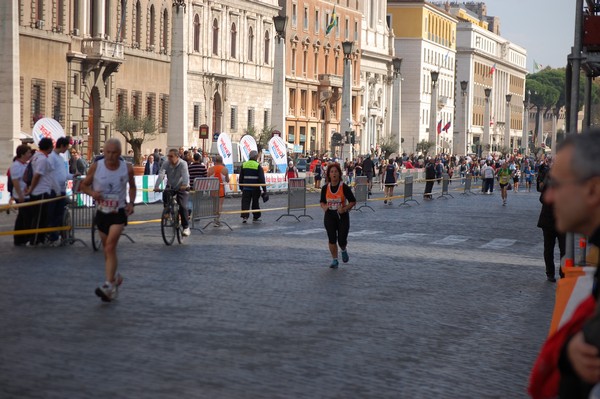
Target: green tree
(262, 136)
(424, 146)
(388, 147)
(136, 131)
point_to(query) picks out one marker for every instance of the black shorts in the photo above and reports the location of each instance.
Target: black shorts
(504, 185)
(105, 220)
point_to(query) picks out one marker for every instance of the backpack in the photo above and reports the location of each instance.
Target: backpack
(28, 174)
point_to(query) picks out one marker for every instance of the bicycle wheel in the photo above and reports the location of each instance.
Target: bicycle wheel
(96, 239)
(178, 227)
(168, 226)
(67, 235)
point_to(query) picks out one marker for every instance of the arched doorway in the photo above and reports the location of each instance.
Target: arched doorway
(217, 113)
(94, 118)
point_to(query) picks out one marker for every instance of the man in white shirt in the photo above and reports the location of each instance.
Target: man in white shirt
(60, 174)
(41, 187)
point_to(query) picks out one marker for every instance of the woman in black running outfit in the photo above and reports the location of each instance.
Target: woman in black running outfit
(336, 200)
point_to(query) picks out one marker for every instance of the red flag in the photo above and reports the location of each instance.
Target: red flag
(446, 127)
(493, 69)
(439, 127)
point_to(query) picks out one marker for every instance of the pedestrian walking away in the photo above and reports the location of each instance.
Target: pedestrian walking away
(336, 200)
(253, 175)
(504, 176)
(106, 182)
(568, 365)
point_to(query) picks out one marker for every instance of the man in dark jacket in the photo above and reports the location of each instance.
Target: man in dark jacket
(252, 173)
(569, 363)
(547, 223)
(429, 179)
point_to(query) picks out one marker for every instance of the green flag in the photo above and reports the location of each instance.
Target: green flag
(332, 22)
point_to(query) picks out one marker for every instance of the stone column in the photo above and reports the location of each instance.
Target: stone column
(278, 112)
(99, 18)
(9, 81)
(178, 105)
(346, 119)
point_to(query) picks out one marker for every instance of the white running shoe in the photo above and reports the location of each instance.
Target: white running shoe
(186, 232)
(107, 291)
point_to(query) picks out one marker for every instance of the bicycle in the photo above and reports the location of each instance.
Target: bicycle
(170, 225)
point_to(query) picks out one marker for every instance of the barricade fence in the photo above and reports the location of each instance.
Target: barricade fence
(205, 201)
(296, 198)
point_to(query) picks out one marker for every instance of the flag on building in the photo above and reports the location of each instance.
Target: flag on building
(537, 67)
(439, 127)
(447, 126)
(332, 22)
(493, 69)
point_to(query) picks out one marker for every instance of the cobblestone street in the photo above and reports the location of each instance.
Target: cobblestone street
(446, 299)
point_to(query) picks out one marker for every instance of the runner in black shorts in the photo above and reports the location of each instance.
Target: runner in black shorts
(336, 200)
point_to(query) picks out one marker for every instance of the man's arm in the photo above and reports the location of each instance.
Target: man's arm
(261, 178)
(161, 177)
(86, 184)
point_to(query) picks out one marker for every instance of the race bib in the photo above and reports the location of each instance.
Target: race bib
(109, 203)
(334, 204)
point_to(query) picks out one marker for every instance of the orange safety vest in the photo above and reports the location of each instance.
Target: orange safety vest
(217, 170)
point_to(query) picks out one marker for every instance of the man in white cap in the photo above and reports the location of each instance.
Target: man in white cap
(291, 172)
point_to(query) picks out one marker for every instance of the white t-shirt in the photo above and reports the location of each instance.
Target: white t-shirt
(43, 167)
(17, 169)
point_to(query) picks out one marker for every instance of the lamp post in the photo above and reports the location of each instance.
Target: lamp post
(507, 123)
(278, 91)
(178, 134)
(525, 137)
(486, 120)
(464, 84)
(346, 117)
(433, 109)
(396, 105)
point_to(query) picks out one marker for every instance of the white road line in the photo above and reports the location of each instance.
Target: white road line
(498, 243)
(305, 232)
(364, 233)
(451, 240)
(405, 236)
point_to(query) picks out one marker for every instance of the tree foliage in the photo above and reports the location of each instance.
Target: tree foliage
(261, 136)
(424, 146)
(135, 131)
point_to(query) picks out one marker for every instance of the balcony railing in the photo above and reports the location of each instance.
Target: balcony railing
(100, 48)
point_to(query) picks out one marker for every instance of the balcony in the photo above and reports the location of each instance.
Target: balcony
(98, 48)
(330, 80)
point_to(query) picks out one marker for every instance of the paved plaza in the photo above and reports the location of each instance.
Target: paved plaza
(445, 299)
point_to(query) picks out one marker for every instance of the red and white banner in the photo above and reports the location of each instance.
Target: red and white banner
(225, 150)
(247, 144)
(47, 128)
(278, 151)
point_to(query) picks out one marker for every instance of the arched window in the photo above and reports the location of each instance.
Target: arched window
(215, 41)
(250, 44)
(267, 46)
(233, 41)
(138, 24)
(197, 33)
(123, 22)
(165, 33)
(152, 39)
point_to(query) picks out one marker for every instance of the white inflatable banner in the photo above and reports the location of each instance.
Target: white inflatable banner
(225, 150)
(247, 144)
(47, 127)
(277, 149)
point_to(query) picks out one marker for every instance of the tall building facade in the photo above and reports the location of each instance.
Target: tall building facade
(489, 64)
(376, 78)
(83, 61)
(425, 39)
(314, 62)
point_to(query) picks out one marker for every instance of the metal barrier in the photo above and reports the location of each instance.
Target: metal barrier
(79, 213)
(296, 198)
(468, 183)
(445, 186)
(205, 201)
(361, 192)
(408, 191)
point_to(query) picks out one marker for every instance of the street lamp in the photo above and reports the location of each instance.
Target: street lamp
(348, 48)
(464, 84)
(433, 109)
(279, 91)
(396, 105)
(525, 137)
(507, 122)
(486, 119)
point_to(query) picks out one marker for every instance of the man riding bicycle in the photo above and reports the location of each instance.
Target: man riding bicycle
(178, 179)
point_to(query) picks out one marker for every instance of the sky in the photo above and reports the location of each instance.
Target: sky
(545, 28)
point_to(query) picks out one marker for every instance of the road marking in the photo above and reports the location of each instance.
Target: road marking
(451, 240)
(364, 233)
(305, 232)
(274, 228)
(405, 236)
(499, 243)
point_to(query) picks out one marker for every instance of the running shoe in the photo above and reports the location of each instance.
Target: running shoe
(385, 201)
(345, 257)
(107, 291)
(186, 232)
(245, 220)
(256, 220)
(334, 264)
